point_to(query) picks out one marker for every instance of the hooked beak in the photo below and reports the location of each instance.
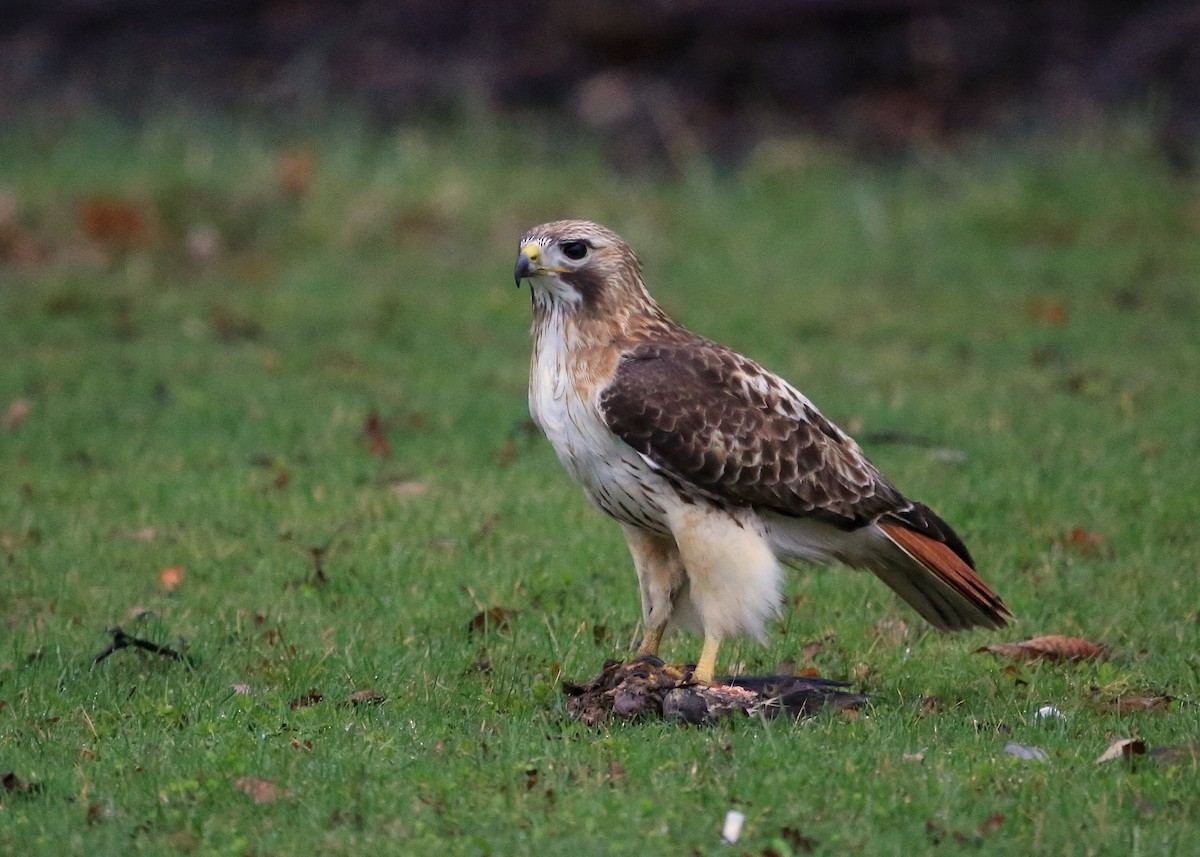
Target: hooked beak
(527, 263)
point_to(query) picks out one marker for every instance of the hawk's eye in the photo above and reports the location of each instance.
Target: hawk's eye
(574, 249)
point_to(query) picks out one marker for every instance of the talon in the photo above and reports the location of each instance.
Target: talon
(653, 660)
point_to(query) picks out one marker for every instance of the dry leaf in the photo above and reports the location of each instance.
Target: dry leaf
(15, 413)
(303, 701)
(1085, 543)
(170, 577)
(1053, 647)
(913, 757)
(241, 689)
(492, 619)
(991, 824)
(295, 171)
(117, 223)
(1129, 704)
(366, 696)
(260, 790)
(1123, 748)
(374, 431)
(1051, 312)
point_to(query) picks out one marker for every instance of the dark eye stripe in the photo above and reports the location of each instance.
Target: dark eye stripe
(574, 249)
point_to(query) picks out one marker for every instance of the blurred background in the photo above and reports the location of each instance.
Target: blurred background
(652, 80)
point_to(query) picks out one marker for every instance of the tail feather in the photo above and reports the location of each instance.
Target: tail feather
(937, 582)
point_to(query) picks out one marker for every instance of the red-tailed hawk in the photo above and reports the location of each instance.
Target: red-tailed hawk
(716, 469)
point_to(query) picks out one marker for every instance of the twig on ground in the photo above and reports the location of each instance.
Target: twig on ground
(121, 640)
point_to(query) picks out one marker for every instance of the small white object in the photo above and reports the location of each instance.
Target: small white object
(1048, 711)
(733, 826)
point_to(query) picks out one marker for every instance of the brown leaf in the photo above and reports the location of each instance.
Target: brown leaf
(492, 619)
(261, 790)
(615, 772)
(1123, 748)
(374, 431)
(15, 413)
(1053, 647)
(297, 744)
(228, 325)
(1129, 704)
(1051, 312)
(1085, 543)
(118, 223)
(303, 701)
(991, 824)
(171, 576)
(366, 696)
(294, 173)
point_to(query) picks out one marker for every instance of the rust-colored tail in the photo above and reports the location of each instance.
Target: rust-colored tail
(938, 582)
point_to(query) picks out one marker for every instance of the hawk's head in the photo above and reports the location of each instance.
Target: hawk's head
(578, 264)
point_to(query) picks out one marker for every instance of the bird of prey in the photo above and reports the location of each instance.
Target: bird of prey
(716, 469)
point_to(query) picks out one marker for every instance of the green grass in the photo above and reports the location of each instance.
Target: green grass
(201, 404)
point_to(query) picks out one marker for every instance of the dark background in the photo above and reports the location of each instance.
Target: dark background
(717, 74)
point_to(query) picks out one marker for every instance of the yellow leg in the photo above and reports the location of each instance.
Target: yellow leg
(707, 665)
(651, 640)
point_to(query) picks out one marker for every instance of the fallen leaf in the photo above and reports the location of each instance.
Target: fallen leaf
(1053, 647)
(117, 223)
(1123, 748)
(241, 689)
(304, 700)
(15, 413)
(171, 576)
(492, 619)
(1129, 704)
(1024, 751)
(297, 744)
(366, 696)
(294, 174)
(1085, 543)
(227, 325)
(374, 431)
(927, 706)
(260, 790)
(991, 824)
(615, 771)
(913, 757)
(1051, 312)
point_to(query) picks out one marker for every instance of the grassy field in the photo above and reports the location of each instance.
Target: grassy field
(262, 400)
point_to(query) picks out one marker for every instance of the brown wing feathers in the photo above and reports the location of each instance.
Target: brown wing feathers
(689, 407)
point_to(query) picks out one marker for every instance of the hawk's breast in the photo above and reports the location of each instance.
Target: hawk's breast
(563, 401)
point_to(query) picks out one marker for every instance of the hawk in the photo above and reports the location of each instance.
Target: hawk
(716, 469)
